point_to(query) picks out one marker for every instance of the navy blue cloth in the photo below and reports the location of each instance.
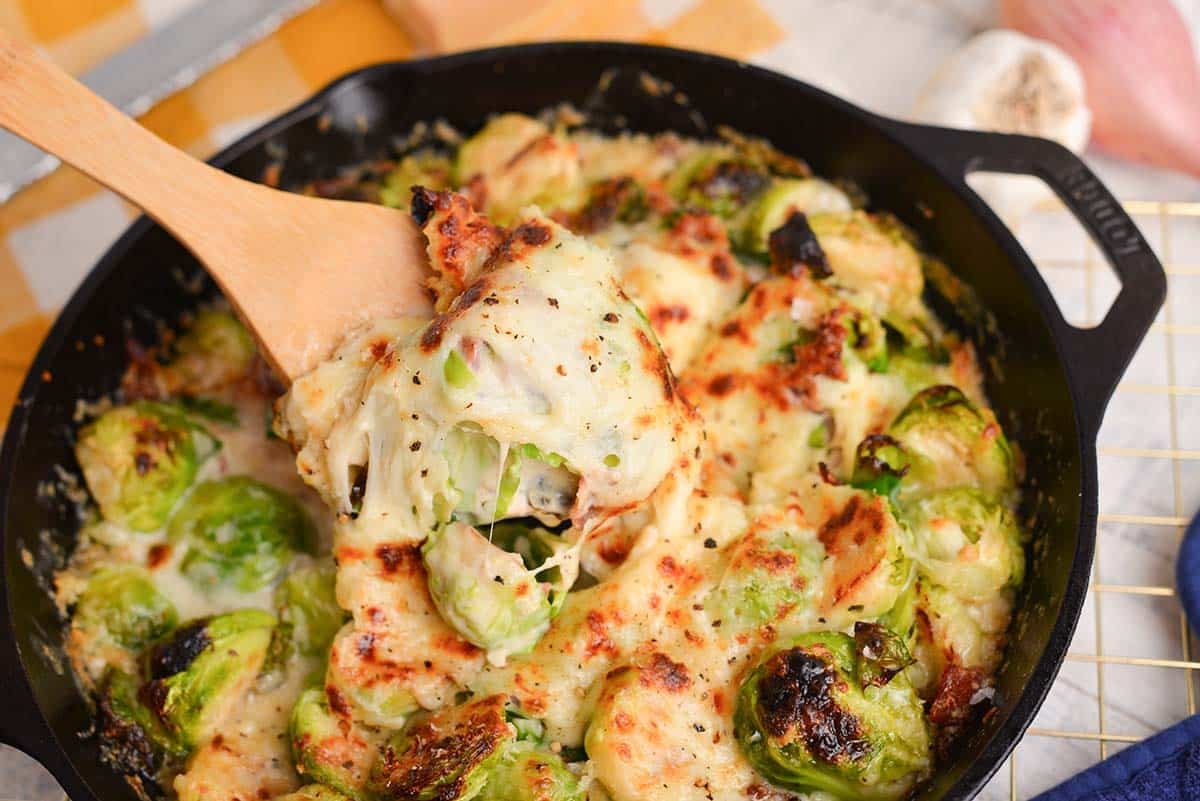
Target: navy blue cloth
(1164, 768)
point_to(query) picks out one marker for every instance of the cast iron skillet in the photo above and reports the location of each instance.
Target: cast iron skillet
(1048, 381)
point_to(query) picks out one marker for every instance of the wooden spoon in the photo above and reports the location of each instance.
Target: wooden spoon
(301, 271)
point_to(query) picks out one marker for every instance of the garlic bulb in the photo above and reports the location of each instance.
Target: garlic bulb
(1005, 81)
(1140, 66)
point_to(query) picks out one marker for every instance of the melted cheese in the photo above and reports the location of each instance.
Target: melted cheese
(707, 533)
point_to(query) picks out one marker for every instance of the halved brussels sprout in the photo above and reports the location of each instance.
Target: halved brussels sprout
(426, 168)
(121, 604)
(379, 699)
(138, 460)
(499, 600)
(445, 756)
(723, 184)
(327, 748)
(966, 543)
(611, 201)
(522, 162)
(198, 674)
(969, 634)
(776, 204)
(770, 573)
(239, 532)
(808, 722)
(307, 601)
(528, 773)
(215, 349)
(950, 442)
(495, 144)
(872, 256)
(132, 739)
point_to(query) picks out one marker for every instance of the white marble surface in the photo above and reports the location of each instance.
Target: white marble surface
(878, 53)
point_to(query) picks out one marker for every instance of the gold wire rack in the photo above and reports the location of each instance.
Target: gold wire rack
(1162, 218)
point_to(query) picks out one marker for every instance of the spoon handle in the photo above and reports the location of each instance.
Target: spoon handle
(43, 104)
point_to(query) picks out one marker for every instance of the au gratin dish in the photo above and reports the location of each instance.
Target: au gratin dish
(683, 492)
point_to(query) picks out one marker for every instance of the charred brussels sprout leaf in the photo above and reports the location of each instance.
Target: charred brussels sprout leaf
(446, 756)
(499, 600)
(122, 604)
(807, 723)
(326, 748)
(879, 465)
(138, 461)
(529, 773)
(306, 600)
(240, 532)
(951, 442)
(881, 654)
(199, 674)
(216, 349)
(793, 247)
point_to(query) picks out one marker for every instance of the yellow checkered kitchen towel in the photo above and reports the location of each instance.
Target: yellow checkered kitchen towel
(54, 231)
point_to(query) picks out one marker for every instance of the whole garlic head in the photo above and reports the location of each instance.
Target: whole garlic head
(1006, 81)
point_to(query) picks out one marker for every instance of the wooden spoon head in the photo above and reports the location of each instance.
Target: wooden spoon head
(305, 272)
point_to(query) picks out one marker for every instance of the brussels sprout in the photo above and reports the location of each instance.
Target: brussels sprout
(216, 349)
(769, 574)
(724, 185)
(495, 144)
(379, 699)
(240, 532)
(446, 756)
(498, 600)
(424, 168)
(970, 634)
(873, 257)
(201, 671)
(611, 201)
(809, 723)
(138, 461)
(307, 601)
(120, 603)
(950, 442)
(132, 740)
(312, 792)
(967, 544)
(776, 204)
(327, 748)
(522, 162)
(528, 773)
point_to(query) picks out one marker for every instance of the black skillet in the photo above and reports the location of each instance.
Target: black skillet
(1048, 381)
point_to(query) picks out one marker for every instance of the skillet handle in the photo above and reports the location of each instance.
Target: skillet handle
(1096, 357)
